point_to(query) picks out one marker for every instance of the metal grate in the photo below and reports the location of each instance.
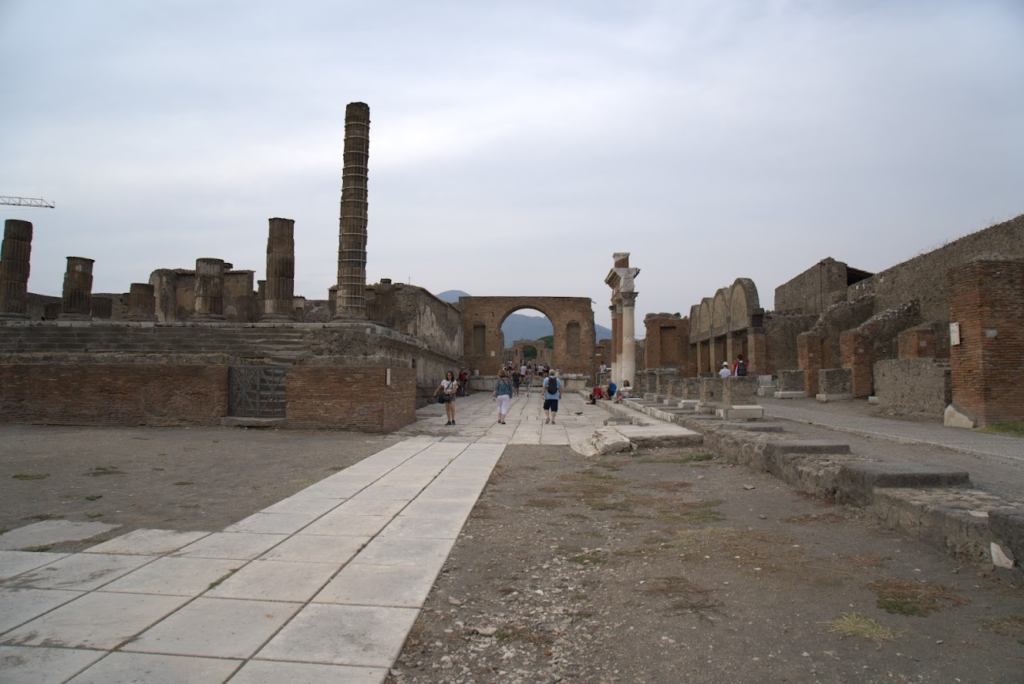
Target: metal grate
(256, 391)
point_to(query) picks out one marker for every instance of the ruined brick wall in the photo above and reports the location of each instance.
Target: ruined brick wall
(159, 395)
(175, 292)
(814, 290)
(666, 342)
(986, 298)
(350, 398)
(913, 386)
(925, 277)
(239, 297)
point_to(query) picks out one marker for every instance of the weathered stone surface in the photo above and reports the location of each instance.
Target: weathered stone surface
(1008, 527)
(857, 482)
(808, 446)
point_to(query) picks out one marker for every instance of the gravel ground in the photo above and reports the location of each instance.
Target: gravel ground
(667, 567)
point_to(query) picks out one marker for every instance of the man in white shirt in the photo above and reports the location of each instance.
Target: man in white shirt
(725, 372)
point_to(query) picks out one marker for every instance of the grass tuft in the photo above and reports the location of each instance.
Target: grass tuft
(908, 597)
(184, 482)
(30, 476)
(1009, 427)
(94, 497)
(855, 624)
(1011, 626)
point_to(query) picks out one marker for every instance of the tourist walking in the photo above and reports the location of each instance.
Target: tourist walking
(516, 379)
(528, 379)
(502, 394)
(739, 367)
(552, 393)
(445, 394)
(463, 383)
(725, 372)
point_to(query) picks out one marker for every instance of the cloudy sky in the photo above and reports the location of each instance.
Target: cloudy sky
(515, 145)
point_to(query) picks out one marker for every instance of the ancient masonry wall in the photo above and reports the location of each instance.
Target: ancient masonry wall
(925, 277)
(987, 301)
(667, 342)
(913, 386)
(113, 394)
(814, 290)
(320, 397)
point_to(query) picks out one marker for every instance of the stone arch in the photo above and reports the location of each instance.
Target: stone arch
(491, 312)
(743, 301)
(704, 323)
(720, 313)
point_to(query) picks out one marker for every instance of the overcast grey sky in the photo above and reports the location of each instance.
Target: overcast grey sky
(514, 146)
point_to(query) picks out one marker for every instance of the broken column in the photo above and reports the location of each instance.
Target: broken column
(279, 289)
(14, 268)
(76, 304)
(351, 302)
(620, 279)
(209, 304)
(142, 302)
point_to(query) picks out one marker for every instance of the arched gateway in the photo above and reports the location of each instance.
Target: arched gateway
(571, 317)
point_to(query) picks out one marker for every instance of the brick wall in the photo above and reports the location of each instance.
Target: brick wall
(917, 343)
(666, 341)
(809, 351)
(814, 290)
(856, 352)
(350, 398)
(986, 297)
(113, 394)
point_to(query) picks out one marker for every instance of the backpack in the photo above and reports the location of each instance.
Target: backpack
(551, 386)
(741, 368)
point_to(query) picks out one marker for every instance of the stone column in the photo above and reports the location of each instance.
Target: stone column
(142, 302)
(14, 267)
(628, 338)
(616, 346)
(209, 290)
(352, 232)
(279, 289)
(76, 304)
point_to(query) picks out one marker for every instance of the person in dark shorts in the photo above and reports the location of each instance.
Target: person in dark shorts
(516, 378)
(552, 393)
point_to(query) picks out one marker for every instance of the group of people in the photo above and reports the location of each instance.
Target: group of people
(506, 386)
(739, 368)
(611, 391)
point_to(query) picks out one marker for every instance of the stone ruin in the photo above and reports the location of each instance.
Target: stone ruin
(204, 347)
(937, 335)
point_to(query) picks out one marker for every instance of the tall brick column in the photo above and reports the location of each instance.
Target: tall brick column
(76, 304)
(209, 290)
(986, 299)
(14, 268)
(279, 290)
(757, 350)
(856, 350)
(808, 349)
(629, 338)
(352, 232)
(142, 302)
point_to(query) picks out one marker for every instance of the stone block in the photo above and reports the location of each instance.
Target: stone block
(791, 381)
(754, 427)
(825, 398)
(835, 381)
(741, 412)
(790, 395)
(740, 390)
(807, 446)
(955, 416)
(688, 404)
(1008, 528)
(857, 481)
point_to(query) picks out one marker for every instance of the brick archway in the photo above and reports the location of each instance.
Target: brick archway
(571, 317)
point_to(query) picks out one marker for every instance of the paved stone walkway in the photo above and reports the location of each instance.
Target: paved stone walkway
(1004, 448)
(320, 587)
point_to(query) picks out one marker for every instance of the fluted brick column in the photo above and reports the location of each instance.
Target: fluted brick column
(352, 232)
(142, 302)
(76, 304)
(279, 289)
(14, 268)
(209, 290)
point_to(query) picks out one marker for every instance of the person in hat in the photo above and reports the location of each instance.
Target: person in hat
(726, 371)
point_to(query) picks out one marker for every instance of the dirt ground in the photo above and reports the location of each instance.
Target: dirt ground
(666, 567)
(165, 478)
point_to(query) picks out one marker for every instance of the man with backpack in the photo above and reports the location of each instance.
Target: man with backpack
(552, 393)
(739, 368)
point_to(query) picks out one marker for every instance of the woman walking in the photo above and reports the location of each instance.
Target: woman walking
(502, 394)
(445, 394)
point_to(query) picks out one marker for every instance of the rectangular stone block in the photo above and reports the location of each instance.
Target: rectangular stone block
(791, 381)
(857, 481)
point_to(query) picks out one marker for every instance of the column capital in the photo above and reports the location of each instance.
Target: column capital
(629, 298)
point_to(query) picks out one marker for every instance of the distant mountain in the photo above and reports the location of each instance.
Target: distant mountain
(520, 326)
